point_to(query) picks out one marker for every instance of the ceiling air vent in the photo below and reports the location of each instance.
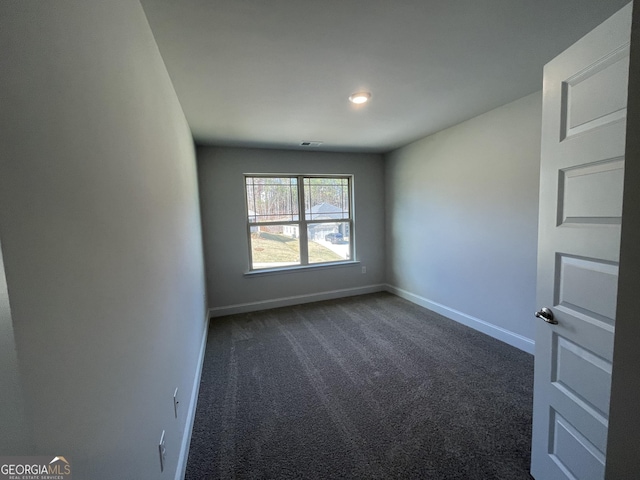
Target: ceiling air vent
(310, 144)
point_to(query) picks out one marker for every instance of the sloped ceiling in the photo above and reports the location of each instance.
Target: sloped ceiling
(274, 73)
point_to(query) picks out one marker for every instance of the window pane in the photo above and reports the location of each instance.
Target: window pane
(328, 242)
(326, 198)
(272, 199)
(275, 246)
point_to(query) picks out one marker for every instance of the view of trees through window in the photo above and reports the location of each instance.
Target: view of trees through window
(289, 225)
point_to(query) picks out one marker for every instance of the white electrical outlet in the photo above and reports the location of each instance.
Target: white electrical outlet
(163, 452)
(364, 269)
(175, 402)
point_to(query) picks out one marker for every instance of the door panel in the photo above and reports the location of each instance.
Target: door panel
(584, 375)
(573, 453)
(581, 180)
(587, 286)
(591, 193)
(608, 76)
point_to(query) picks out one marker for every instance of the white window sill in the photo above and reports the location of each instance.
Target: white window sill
(299, 268)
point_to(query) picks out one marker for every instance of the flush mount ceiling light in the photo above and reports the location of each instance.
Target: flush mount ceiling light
(360, 97)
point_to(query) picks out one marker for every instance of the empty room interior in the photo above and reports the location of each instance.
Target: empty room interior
(336, 239)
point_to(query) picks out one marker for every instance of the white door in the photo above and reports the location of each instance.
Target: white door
(582, 170)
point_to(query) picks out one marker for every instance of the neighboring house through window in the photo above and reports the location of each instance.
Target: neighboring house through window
(298, 220)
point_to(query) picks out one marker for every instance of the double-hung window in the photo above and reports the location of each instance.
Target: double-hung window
(298, 220)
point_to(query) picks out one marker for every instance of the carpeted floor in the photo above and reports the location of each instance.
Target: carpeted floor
(363, 387)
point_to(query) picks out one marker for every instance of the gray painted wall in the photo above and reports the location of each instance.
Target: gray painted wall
(220, 172)
(15, 436)
(462, 215)
(101, 235)
(623, 461)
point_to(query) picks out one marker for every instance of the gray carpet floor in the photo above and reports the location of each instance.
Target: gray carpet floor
(362, 387)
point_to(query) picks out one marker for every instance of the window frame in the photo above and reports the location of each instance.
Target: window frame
(302, 222)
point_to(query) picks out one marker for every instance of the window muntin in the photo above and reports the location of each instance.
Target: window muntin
(292, 226)
(326, 197)
(272, 199)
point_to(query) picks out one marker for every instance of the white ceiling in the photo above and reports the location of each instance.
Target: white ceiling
(274, 73)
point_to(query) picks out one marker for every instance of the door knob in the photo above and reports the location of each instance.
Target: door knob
(547, 315)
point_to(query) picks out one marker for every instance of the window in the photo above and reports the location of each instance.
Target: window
(298, 220)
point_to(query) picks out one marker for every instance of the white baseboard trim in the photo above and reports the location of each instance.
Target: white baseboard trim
(294, 300)
(499, 333)
(191, 413)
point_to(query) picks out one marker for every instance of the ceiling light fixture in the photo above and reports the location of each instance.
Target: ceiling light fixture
(360, 97)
